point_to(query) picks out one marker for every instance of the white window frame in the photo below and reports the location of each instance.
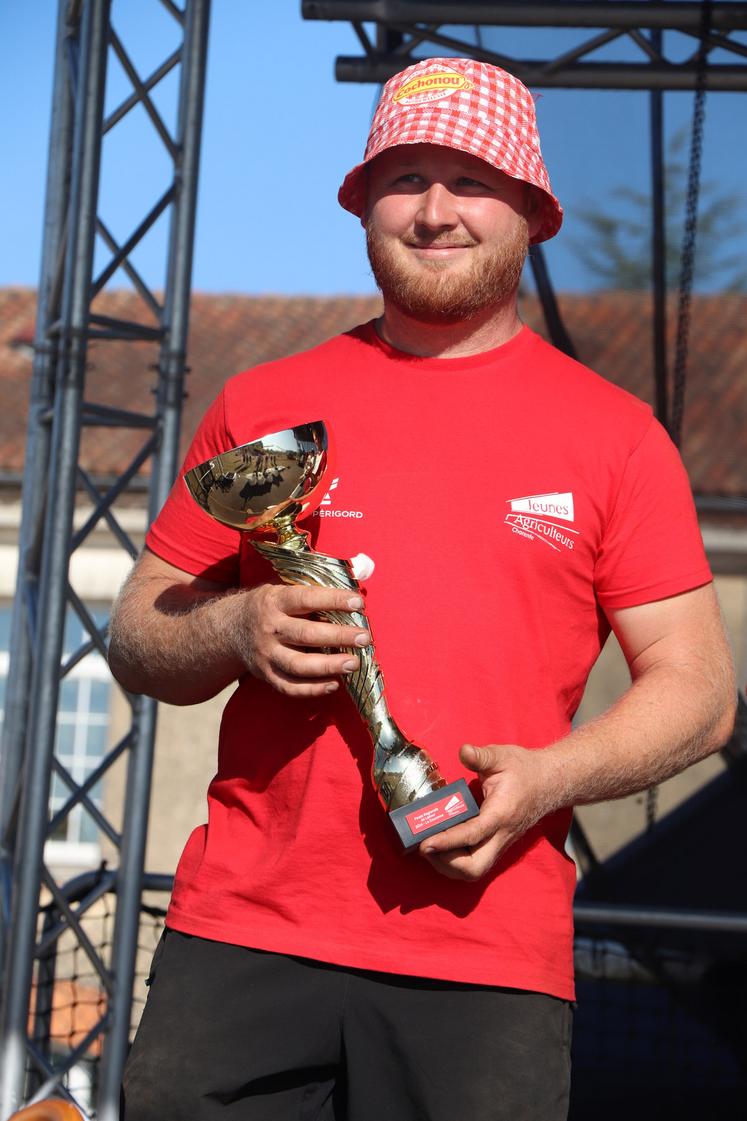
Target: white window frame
(75, 853)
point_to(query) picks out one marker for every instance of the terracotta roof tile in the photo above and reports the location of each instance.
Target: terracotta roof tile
(611, 331)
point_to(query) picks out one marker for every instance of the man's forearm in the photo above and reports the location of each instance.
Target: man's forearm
(176, 643)
(663, 723)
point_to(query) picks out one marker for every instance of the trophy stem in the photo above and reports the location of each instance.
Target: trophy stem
(289, 536)
(401, 772)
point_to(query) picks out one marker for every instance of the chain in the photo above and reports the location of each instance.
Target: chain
(687, 268)
(687, 264)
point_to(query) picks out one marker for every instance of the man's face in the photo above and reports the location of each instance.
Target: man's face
(447, 234)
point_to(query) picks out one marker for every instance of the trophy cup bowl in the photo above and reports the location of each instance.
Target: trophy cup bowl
(251, 486)
(261, 488)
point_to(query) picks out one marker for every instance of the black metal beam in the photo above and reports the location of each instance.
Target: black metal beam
(542, 75)
(440, 24)
(659, 918)
(553, 319)
(531, 13)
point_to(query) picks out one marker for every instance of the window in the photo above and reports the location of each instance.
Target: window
(81, 740)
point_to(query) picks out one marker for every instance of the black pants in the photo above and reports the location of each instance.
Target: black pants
(243, 1035)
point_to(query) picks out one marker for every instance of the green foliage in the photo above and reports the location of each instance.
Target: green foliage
(616, 247)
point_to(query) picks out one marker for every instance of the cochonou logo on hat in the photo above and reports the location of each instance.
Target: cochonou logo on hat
(431, 87)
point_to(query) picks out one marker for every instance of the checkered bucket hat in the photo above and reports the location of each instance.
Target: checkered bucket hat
(463, 104)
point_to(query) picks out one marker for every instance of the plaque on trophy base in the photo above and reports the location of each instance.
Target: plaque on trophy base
(433, 813)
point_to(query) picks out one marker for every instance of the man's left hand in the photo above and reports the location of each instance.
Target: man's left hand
(514, 799)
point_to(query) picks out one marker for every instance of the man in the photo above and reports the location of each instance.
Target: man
(516, 507)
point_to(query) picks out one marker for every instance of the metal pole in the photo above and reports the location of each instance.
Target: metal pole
(37, 455)
(658, 246)
(170, 393)
(539, 74)
(172, 363)
(621, 914)
(58, 526)
(41, 1031)
(531, 13)
(553, 319)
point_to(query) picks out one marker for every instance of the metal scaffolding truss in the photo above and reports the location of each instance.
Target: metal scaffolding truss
(403, 26)
(59, 411)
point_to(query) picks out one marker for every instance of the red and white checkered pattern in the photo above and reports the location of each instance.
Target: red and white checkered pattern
(463, 104)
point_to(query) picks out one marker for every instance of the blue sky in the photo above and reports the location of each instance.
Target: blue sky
(279, 135)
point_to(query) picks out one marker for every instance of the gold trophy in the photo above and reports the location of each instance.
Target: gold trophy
(262, 487)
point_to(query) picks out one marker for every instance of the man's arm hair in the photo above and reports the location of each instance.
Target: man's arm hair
(171, 634)
(679, 708)
(181, 639)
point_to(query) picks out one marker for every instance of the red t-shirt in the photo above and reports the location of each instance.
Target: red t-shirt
(506, 499)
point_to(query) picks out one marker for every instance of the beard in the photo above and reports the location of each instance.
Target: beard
(434, 293)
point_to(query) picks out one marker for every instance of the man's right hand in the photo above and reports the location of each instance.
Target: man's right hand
(297, 655)
(181, 638)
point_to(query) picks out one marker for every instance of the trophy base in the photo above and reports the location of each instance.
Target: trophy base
(433, 813)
